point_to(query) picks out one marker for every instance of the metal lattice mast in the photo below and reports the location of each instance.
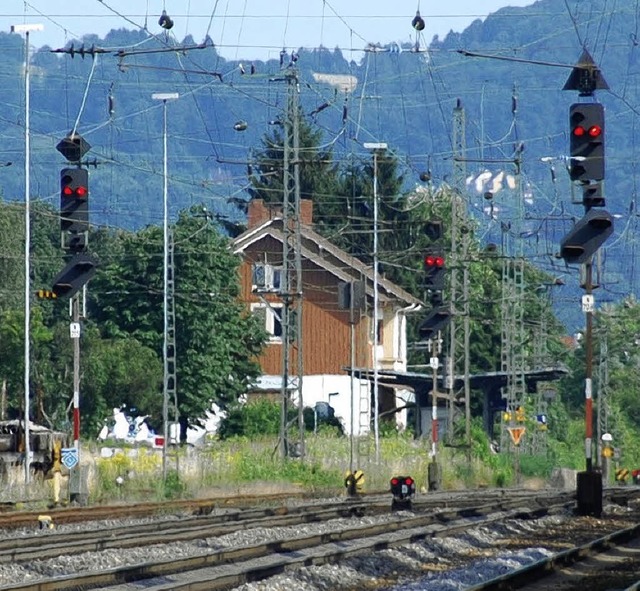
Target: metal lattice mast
(291, 283)
(541, 360)
(512, 315)
(459, 282)
(172, 392)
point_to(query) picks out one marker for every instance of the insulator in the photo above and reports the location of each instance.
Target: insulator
(418, 22)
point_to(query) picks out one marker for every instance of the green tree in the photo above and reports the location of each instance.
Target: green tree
(119, 373)
(318, 172)
(217, 341)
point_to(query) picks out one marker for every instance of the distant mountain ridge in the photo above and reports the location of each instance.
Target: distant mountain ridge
(402, 97)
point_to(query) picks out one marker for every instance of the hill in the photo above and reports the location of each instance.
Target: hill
(402, 97)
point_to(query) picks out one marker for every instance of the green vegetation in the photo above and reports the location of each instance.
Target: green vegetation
(244, 465)
(217, 341)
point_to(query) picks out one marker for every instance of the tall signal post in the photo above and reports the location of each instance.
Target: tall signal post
(587, 171)
(26, 29)
(70, 282)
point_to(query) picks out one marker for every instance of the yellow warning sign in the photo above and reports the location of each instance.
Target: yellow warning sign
(516, 434)
(607, 452)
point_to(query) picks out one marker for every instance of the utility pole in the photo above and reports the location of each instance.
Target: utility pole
(458, 362)
(166, 386)
(26, 29)
(434, 346)
(376, 147)
(291, 283)
(603, 406)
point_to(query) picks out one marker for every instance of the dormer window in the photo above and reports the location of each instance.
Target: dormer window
(266, 278)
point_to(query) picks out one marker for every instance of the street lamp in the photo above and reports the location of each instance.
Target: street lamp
(376, 147)
(26, 29)
(164, 97)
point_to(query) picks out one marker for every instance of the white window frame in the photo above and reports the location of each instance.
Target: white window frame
(270, 281)
(272, 319)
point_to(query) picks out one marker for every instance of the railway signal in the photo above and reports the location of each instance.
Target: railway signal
(434, 271)
(74, 208)
(403, 488)
(586, 125)
(76, 273)
(587, 236)
(435, 321)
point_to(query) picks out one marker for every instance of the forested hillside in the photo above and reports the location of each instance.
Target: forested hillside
(402, 97)
(515, 148)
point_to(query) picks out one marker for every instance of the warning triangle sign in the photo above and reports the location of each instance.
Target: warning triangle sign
(516, 434)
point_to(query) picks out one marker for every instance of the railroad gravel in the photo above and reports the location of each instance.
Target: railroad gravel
(446, 564)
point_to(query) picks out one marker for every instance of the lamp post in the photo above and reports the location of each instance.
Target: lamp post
(164, 97)
(26, 29)
(376, 147)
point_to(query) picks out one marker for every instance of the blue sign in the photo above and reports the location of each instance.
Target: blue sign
(70, 457)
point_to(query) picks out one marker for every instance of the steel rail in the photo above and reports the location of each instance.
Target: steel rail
(237, 565)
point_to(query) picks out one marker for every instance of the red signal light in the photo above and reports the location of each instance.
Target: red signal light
(434, 261)
(579, 131)
(409, 481)
(595, 131)
(394, 482)
(80, 192)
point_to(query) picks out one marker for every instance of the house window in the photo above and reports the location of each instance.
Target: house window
(272, 319)
(266, 278)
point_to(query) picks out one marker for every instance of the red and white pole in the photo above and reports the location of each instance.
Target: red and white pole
(75, 336)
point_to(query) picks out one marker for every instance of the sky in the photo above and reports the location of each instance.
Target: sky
(252, 29)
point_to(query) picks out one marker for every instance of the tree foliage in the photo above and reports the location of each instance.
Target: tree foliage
(217, 341)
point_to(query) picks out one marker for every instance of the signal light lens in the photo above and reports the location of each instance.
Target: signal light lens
(80, 192)
(394, 482)
(434, 261)
(408, 481)
(595, 131)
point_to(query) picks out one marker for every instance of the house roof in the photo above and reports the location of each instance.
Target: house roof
(323, 253)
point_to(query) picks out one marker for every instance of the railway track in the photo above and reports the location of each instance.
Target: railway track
(232, 566)
(276, 502)
(212, 567)
(608, 562)
(51, 544)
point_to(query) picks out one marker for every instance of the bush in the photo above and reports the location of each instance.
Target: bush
(173, 487)
(256, 419)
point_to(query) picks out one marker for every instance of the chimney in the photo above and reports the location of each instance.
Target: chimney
(306, 212)
(260, 212)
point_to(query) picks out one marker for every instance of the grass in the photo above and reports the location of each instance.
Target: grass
(242, 465)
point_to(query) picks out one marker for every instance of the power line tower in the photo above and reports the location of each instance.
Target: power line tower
(291, 283)
(513, 338)
(458, 363)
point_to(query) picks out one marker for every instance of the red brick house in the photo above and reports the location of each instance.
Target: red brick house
(326, 329)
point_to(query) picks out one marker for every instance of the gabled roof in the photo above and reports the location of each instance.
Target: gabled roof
(323, 253)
